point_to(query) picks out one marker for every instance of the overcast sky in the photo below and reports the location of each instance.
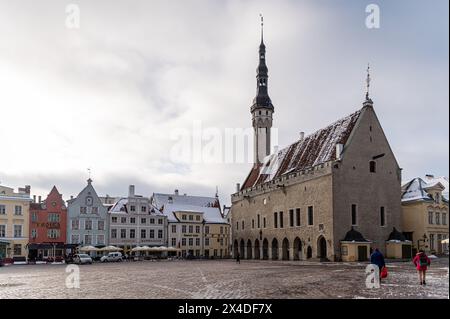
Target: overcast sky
(109, 94)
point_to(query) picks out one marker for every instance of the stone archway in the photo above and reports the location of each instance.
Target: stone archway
(285, 249)
(322, 248)
(274, 249)
(297, 249)
(309, 252)
(257, 250)
(249, 249)
(242, 249)
(265, 249)
(235, 248)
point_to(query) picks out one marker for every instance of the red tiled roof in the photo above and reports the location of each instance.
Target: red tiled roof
(314, 149)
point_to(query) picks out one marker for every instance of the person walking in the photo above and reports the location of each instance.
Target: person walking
(377, 258)
(421, 261)
(238, 258)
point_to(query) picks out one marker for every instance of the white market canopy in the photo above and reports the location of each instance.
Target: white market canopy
(445, 241)
(110, 248)
(88, 248)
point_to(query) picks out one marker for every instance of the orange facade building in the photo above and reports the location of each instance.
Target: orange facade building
(48, 220)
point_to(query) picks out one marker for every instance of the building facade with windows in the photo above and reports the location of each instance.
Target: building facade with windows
(134, 221)
(47, 231)
(14, 222)
(87, 219)
(195, 224)
(301, 201)
(425, 213)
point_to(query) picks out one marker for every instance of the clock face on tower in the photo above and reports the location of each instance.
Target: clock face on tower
(89, 201)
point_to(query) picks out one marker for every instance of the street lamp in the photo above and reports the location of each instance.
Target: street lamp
(424, 239)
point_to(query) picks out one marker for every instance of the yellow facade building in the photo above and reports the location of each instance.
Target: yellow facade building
(14, 221)
(425, 213)
(196, 225)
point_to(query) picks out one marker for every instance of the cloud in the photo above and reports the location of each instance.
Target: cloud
(108, 95)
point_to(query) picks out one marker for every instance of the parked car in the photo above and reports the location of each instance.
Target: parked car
(116, 256)
(82, 259)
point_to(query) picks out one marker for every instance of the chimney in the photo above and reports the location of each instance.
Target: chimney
(131, 191)
(34, 198)
(339, 149)
(176, 192)
(39, 199)
(71, 196)
(302, 135)
(238, 187)
(27, 189)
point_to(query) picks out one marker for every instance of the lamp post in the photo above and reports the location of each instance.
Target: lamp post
(423, 239)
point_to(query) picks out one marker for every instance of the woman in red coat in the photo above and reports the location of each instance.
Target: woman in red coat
(421, 261)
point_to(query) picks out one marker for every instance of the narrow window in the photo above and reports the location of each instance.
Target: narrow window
(281, 219)
(372, 166)
(291, 218)
(382, 216)
(253, 224)
(353, 214)
(259, 221)
(310, 215)
(264, 222)
(297, 213)
(275, 220)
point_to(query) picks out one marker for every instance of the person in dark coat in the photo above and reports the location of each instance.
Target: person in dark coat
(238, 258)
(377, 258)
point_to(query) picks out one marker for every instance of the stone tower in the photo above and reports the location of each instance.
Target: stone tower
(262, 108)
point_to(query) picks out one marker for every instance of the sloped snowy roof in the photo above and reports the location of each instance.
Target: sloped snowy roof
(314, 149)
(416, 189)
(431, 181)
(210, 214)
(120, 207)
(160, 200)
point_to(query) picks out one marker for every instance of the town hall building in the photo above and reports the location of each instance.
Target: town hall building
(332, 195)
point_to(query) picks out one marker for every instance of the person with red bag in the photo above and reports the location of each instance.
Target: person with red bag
(377, 258)
(421, 261)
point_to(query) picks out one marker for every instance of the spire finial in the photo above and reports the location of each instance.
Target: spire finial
(367, 82)
(262, 27)
(89, 179)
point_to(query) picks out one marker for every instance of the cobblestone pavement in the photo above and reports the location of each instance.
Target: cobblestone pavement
(222, 279)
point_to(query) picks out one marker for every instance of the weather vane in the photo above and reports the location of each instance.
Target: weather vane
(89, 172)
(367, 81)
(262, 26)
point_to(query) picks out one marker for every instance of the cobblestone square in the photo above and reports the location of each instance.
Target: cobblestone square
(221, 279)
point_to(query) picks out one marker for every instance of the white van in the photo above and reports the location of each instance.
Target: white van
(116, 256)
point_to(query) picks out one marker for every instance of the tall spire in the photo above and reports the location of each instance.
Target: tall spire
(262, 99)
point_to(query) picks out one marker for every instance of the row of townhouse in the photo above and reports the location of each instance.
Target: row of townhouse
(39, 229)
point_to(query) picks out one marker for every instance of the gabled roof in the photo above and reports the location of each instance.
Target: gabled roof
(443, 180)
(314, 149)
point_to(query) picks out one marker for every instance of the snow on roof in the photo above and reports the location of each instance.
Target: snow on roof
(210, 214)
(431, 181)
(314, 149)
(416, 188)
(160, 200)
(120, 207)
